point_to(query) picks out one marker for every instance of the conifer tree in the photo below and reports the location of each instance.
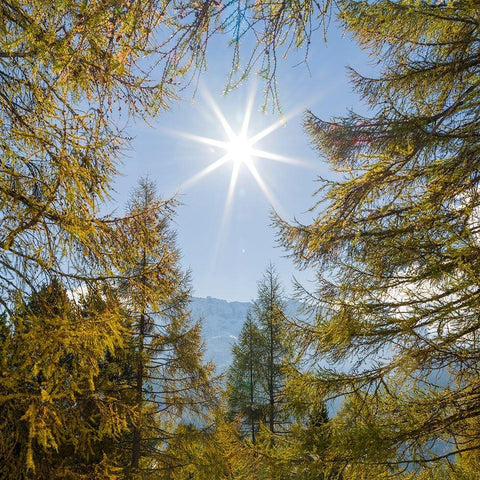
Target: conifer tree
(256, 381)
(269, 310)
(169, 378)
(395, 241)
(245, 395)
(55, 422)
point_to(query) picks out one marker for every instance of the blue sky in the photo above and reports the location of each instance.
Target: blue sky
(227, 254)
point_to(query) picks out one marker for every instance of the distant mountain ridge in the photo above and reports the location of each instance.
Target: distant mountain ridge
(221, 325)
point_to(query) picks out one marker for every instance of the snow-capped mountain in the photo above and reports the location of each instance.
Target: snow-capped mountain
(221, 325)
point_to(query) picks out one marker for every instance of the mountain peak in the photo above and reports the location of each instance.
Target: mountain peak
(221, 325)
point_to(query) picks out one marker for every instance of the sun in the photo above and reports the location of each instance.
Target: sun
(239, 149)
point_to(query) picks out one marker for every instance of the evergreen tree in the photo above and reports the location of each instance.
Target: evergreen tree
(269, 310)
(395, 241)
(256, 381)
(245, 395)
(55, 422)
(168, 377)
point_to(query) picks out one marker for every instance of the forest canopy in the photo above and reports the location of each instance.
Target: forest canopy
(73, 76)
(100, 358)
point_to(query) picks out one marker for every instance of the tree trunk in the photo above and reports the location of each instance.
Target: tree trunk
(137, 433)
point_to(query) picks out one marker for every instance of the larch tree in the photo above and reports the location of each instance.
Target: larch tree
(244, 390)
(169, 379)
(94, 382)
(395, 243)
(269, 309)
(256, 380)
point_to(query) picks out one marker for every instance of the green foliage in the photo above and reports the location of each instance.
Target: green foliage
(289, 437)
(167, 379)
(395, 243)
(256, 381)
(244, 376)
(302, 452)
(54, 419)
(92, 388)
(215, 452)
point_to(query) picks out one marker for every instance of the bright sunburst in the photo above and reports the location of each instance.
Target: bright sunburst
(240, 149)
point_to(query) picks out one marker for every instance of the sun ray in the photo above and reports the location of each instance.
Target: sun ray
(202, 173)
(196, 138)
(200, 139)
(223, 121)
(231, 191)
(276, 125)
(281, 158)
(226, 211)
(248, 113)
(263, 187)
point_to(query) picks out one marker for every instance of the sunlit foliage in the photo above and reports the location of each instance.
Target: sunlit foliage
(395, 242)
(55, 422)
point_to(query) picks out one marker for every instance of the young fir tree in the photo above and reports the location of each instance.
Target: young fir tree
(168, 377)
(395, 241)
(256, 381)
(269, 311)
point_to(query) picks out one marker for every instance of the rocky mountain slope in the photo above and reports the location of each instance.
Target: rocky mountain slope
(221, 325)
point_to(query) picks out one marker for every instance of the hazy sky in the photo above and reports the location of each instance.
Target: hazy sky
(227, 251)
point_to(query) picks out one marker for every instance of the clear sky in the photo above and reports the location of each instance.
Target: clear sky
(227, 245)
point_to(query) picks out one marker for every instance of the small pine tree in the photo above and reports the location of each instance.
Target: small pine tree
(269, 310)
(245, 396)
